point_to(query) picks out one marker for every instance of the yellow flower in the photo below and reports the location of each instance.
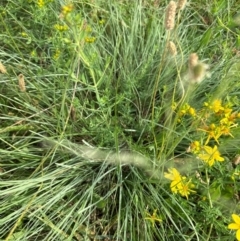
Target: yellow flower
(179, 183)
(24, 34)
(175, 177)
(225, 130)
(227, 111)
(213, 132)
(184, 109)
(216, 106)
(236, 225)
(102, 21)
(60, 27)
(211, 155)
(192, 111)
(57, 54)
(226, 121)
(235, 174)
(184, 188)
(90, 39)
(194, 147)
(153, 218)
(67, 9)
(40, 3)
(33, 54)
(187, 109)
(173, 174)
(174, 186)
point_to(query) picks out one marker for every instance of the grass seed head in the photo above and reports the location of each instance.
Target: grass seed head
(2, 68)
(172, 48)
(181, 4)
(196, 69)
(21, 83)
(170, 15)
(199, 72)
(193, 60)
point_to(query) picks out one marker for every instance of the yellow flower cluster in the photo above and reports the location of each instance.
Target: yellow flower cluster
(33, 53)
(179, 184)
(40, 3)
(186, 110)
(61, 27)
(210, 155)
(224, 120)
(195, 147)
(218, 120)
(66, 9)
(102, 21)
(90, 39)
(57, 54)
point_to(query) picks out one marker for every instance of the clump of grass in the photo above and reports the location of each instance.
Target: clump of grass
(102, 106)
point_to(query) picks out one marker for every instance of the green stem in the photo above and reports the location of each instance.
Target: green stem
(155, 89)
(210, 203)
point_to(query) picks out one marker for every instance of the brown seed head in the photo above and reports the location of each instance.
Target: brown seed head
(197, 70)
(181, 4)
(193, 60)
(170, 15)
(2, 68)
(21, 83)
(172, 48)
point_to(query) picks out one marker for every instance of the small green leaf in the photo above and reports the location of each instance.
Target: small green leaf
(238, 41)
(215, 192)
(29, 40)
(100, 202)
(17, 236)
